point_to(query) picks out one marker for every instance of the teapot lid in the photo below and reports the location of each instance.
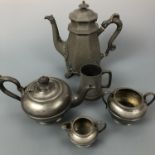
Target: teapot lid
(83, 14)
(46, 97)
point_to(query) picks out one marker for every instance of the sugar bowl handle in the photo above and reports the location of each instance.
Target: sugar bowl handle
(104, 97)
(114, 19)
(152, 99)
(110, 79)
(4, 79)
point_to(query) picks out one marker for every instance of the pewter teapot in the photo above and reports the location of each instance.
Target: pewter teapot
(46, 99)
(82, 46)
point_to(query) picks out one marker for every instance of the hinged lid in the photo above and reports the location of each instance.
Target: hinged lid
(83, 14)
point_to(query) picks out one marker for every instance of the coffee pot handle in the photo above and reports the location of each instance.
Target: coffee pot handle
(110, 79)
(114, 19)
(152, 100)
(4, 79)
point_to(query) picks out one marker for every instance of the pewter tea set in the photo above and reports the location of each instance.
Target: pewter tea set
(47, 99)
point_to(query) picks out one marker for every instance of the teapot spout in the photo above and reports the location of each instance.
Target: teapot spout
(59, 44)
(80, 96)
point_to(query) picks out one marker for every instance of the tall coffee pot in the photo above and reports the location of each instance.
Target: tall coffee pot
(82, 46)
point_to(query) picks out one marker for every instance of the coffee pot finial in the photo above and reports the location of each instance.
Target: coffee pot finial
(83, 5)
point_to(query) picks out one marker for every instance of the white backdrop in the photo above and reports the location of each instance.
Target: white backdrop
(27, 52)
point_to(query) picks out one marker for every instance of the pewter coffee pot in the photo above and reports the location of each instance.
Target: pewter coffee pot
(46, 99)
(82, 46)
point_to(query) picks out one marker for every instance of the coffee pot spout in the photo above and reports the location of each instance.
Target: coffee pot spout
(59, 44)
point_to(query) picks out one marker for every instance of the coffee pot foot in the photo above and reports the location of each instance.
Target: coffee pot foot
(68, 75)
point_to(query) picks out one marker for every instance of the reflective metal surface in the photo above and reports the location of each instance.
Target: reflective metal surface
(93, 75)
(82, 46)
(46, 99)
(83, 131)
(127, 105)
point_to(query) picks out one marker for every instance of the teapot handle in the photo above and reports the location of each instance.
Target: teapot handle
(152, 100)
(114, 19)
(4, 79)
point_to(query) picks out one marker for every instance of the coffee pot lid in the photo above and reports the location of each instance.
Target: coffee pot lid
(83, 14)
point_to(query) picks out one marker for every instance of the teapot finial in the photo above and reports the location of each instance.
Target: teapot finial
(43, 80)
(84, 5)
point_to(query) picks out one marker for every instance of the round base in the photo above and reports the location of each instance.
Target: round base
(43, 123)
(81, 146)
(122, 121)
(90, 98)
(47, 120)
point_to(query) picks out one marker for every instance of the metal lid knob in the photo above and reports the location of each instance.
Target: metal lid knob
(43, 81)
(84, 5)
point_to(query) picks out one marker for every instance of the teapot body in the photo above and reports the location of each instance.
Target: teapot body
(45, 100)
(46, 106)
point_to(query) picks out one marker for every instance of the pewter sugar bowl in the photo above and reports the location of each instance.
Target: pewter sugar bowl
(127, 106)
(46, 99)
(82, 46)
